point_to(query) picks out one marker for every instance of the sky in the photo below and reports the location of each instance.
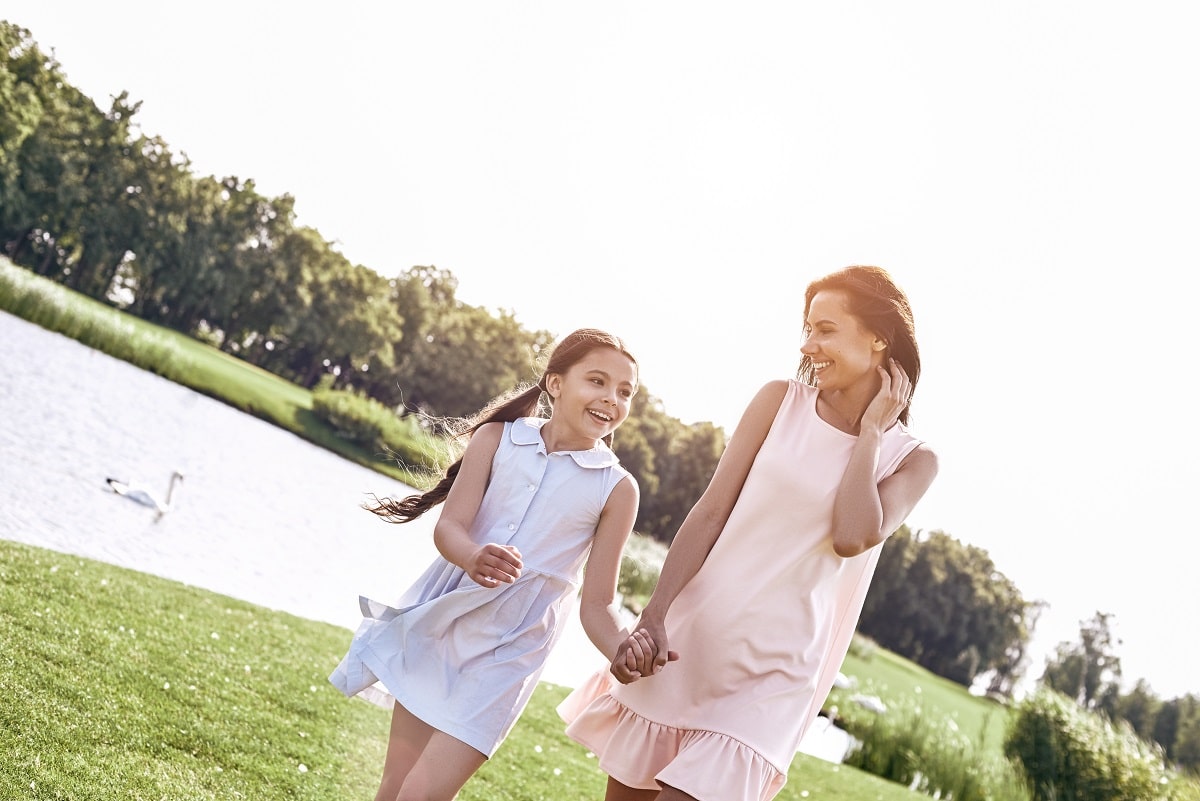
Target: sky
(677, 172)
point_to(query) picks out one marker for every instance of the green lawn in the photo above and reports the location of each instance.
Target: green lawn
(897, 681)
(121, 685)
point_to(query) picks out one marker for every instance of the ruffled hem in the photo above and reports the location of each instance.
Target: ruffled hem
(646, 755)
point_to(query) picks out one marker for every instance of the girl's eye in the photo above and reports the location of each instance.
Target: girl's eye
(597, 382)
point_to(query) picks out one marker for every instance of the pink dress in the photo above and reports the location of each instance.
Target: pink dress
(761, 629)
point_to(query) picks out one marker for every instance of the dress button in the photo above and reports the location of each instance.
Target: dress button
(511, 526)
(532, 487)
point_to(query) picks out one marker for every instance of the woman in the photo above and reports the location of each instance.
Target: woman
(763, 585)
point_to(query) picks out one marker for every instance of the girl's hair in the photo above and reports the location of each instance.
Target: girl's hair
(523, 401)
(882, 307)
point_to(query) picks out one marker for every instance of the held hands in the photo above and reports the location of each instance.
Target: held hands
(492, 565)
(894, 391)
(639, 656)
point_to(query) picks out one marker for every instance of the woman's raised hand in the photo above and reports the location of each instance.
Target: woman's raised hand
(894, 391)
(492, 565)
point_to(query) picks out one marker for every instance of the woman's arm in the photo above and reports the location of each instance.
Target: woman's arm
(597, 601)
(489, 564)
(866, 513)
(705, 521)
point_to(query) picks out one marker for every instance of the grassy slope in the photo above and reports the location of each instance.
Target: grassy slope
(896, 680)
(120, 685)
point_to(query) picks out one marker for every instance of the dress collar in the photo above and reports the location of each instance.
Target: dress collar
(528, 431)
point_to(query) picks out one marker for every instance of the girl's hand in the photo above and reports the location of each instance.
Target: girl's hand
(492, 565)
(894, 391)
(632, 657)
(642, 654)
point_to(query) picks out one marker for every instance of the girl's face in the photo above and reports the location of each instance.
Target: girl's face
(842, 351)
(593, 396)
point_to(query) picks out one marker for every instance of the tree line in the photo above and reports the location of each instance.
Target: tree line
(89, 200)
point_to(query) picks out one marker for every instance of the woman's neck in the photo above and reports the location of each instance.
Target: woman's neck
(847, 406)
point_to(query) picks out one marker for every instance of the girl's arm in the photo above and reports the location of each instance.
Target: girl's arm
(703, 524)
(596, 605)
(488, 564)
(866, 513)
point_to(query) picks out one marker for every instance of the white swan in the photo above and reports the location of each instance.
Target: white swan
(141, 494)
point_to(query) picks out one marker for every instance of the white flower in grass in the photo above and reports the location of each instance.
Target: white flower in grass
(303, 768)
(166, 685)
(215, 636)
(537, 748)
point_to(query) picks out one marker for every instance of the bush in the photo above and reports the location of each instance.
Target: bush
(928, 753)
(367, 422)
(640, 565)
(1070, 754)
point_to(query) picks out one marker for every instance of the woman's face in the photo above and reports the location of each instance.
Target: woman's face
(842, 351)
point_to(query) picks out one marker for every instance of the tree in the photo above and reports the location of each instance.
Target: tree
(1139, 708)
(1186, 751)
(24, 73)
(466, 358)
(1166, 726)
(945, 606)
(1088, 671)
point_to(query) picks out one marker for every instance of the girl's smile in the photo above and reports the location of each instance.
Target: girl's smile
(590, 400)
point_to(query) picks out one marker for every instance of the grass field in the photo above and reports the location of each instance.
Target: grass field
(120, 685)
(896, 680)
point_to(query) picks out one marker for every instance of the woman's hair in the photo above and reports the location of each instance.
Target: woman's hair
(882, 307)
(523, 401)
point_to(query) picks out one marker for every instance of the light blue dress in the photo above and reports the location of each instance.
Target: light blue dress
(466, 658)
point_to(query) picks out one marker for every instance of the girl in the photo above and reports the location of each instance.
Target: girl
(764, 582)
(531, 499)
